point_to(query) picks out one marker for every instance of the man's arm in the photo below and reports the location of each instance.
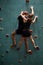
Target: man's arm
(32, 13)
(34, 19)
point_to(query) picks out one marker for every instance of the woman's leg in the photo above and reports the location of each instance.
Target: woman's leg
(13, 39)
(26, 46)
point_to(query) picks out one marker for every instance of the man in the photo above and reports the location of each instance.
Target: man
(26, 31)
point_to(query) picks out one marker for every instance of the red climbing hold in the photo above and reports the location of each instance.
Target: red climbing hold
(35, 36)
(27, 0)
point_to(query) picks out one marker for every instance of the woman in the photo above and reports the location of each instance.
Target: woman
(23, 28)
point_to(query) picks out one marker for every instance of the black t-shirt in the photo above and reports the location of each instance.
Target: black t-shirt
(20, 22)
(22, 25)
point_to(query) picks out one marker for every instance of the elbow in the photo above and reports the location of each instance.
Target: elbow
(33, 21)
(32, 14)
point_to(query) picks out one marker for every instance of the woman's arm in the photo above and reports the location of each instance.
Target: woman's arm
(34, 19)
(23, 16)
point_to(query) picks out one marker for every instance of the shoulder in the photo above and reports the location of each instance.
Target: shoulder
(19, 17)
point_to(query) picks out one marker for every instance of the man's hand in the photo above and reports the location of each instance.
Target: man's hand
(31, 7)
(32, 11)
(36, 17)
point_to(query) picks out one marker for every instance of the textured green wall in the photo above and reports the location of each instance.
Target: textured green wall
(10, 10)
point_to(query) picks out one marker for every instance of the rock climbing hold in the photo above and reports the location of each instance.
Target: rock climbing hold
(20, 60)
(0, 8)
(2, 55)
(27, 0)
(25, 56)
(35, 36)
(0, 38)
(7, 51)
(29, 52)
(1, 19)
(7, 35)
(1, 29)
(36, 47)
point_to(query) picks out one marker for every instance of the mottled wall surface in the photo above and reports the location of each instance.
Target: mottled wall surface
(9, 12)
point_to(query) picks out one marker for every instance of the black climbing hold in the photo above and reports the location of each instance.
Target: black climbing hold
(7, 35)
(1, 19)
(7, 51)
(2, 55)
(2, 62)
(41, 26)
(11, 64)
(1, 29)
(37, 47)
(20, 60)
(35, 36)
(0, 8)
(25, 56)
(18, 49)
(29, 52)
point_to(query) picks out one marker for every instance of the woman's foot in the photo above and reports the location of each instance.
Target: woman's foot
(29, 51)
(12, 46)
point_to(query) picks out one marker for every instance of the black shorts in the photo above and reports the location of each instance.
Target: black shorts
(26, 33)
(19, 32)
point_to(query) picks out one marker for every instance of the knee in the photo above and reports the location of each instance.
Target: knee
(24, 38)
(13, 33)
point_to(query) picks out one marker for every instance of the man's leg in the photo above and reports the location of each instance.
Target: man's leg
(26, 46)
(33, 42)
(20, 43)
(13, 39)
(26, 43)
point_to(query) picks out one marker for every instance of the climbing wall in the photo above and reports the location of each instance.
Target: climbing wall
(9, 11)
